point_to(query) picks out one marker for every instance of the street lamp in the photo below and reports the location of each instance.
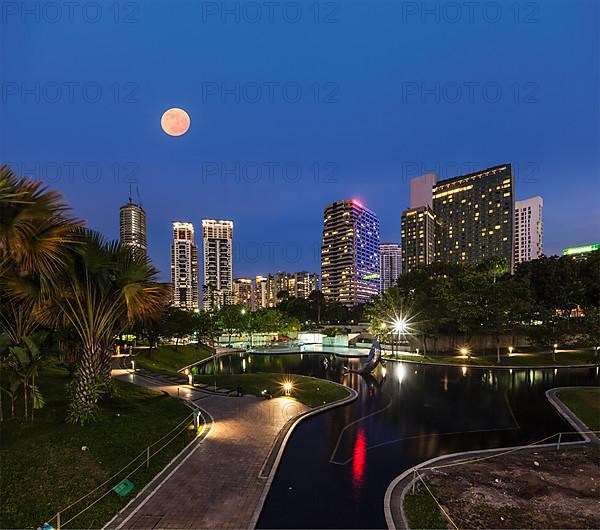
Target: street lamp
(400, 327)
(554, 352)
(287, 388)
(510, 350)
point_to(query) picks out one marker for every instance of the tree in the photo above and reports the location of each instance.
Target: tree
(108, 289)
(177, 324)
(232, 318)
(206, 327)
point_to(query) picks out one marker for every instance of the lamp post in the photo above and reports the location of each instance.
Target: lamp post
(554, 352)
(400, 327)
(510, 350)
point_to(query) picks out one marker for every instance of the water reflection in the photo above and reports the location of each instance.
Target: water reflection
(339, 463)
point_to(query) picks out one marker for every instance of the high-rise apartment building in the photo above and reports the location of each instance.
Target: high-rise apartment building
(184, 267)
(243, 291)
(350, 270)
(217, 236)
(528, 229)
(390, 264)
(305, 283)
(132, 224)
(261, 292)
(475, 215)
(418, 229)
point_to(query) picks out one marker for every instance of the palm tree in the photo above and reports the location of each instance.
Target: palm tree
(108, 289)
(35, 232)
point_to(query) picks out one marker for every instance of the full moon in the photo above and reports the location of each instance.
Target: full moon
(175, 122)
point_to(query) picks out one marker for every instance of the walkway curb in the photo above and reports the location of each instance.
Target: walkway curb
(493, 366)
(313, 412)
(405, 480)
(569, 415)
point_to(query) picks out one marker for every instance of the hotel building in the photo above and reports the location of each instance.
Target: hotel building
(350, 271)
(475, 216)
(528, 229)
(217, 238)
(184, 267)
(390, 264)
(132, 224)
(418, 230)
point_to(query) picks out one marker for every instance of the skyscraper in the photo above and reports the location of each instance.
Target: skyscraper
(418, 237)
(218, 262)
(390, 264)
(475, 215)
(132, 224)
(350, 253)
(184, 266)
(261, 292)
(243, 291)
(528, 229)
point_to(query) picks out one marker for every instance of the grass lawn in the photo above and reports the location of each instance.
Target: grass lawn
(44, 468)
(516, 359)
(166, 360)
(584, 403)
(422, 511)
(311, 392)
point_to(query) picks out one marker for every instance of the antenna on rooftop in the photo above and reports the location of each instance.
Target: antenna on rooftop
(139, 196)
(129, 193)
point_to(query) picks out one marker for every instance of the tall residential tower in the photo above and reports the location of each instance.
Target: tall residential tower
(528, 229)
(350, 271)
(418, 237)
(184, 267)
(218, 263)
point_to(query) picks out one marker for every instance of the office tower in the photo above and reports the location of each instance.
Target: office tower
(217, 236)
(474, 215)
(132, 223)
(242, 292)
(418, 229)
(184, 267)
(390, 264)
(350, 253)
(305, 283)
(528, 229)
(261, 292)
(421, 190)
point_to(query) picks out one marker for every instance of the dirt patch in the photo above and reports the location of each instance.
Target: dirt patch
(542, 489)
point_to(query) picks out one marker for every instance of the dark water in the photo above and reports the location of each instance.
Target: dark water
(337, 465)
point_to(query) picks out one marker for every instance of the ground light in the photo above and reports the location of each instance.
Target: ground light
(287, 388)
(510, 350)
(464, 351)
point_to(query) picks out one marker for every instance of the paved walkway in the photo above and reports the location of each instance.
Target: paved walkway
(215, 483)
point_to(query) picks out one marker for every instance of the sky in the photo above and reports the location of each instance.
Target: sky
(294, 105)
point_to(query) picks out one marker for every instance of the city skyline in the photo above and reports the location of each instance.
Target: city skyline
(371, 156)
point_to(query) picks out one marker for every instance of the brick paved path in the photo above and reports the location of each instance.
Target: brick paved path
(215, 484)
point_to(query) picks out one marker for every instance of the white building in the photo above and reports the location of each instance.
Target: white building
(528, 229)
(391, 264)
(218, 263)
(132, 224)
(184, 267)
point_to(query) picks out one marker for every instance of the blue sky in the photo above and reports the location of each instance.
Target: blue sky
(371, 93)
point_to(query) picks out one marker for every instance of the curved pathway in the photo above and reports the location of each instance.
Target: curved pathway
(221, 479)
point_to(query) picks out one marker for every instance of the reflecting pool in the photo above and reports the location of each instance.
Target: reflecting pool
(338, 464)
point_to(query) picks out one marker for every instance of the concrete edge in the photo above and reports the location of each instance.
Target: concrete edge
(313, 412)
(569, 415)
(560, 407)
(493, 367)
(157, 480)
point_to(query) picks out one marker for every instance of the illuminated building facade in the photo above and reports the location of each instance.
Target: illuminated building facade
(390, 264)
(305, 283)
(528, 229)
(418, 230)
(243, 291)
(261, 292)
(217, 238)
(475, 216)
(270, 290)
(184, 267)
(350, 272)
(132, 224)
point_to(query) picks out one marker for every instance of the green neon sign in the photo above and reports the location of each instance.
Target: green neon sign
(580, 250)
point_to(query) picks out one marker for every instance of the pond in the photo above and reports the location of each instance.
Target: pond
(338, 464)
